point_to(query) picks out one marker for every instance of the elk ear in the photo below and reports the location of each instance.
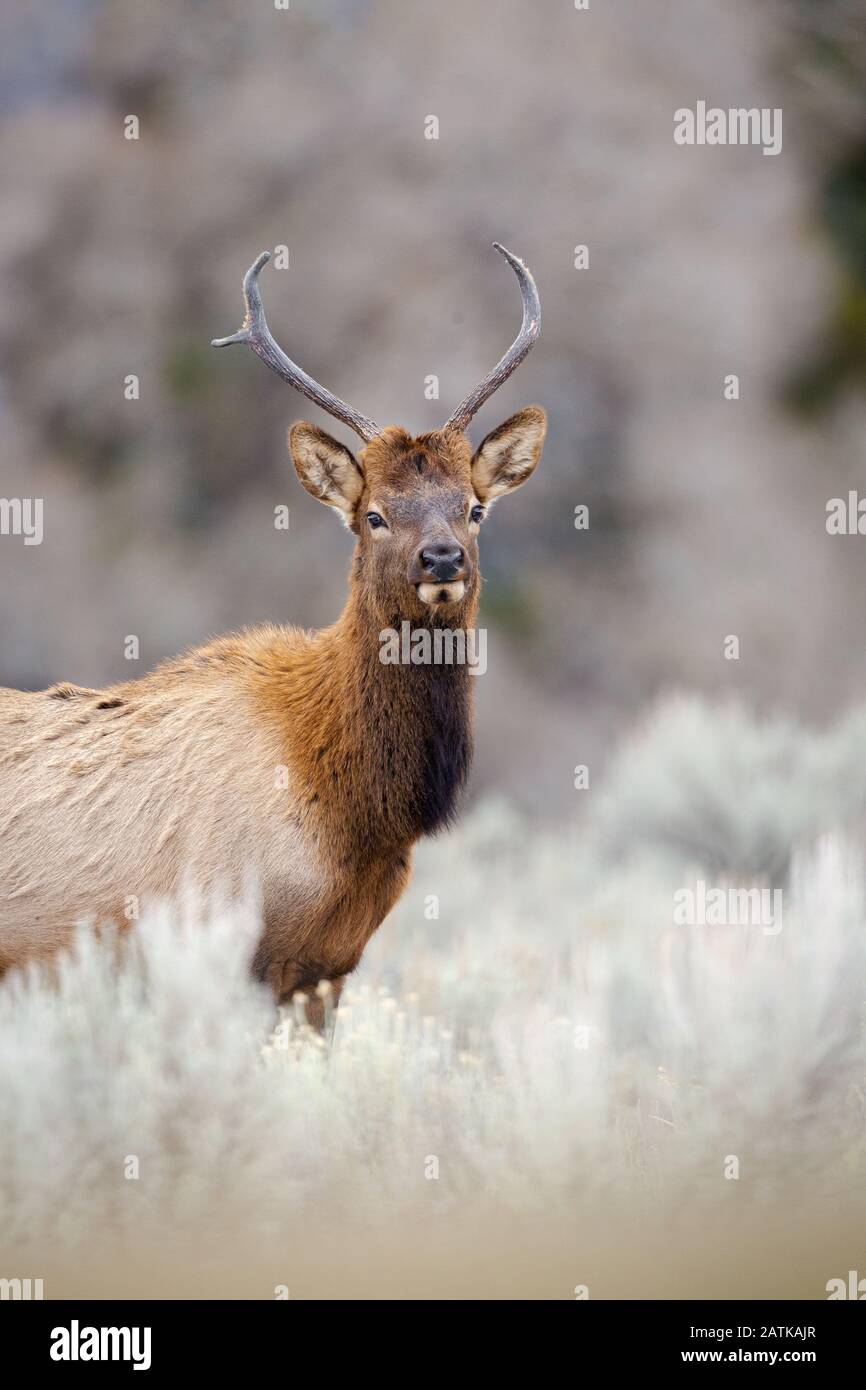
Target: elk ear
(509, 454)
(326, 468)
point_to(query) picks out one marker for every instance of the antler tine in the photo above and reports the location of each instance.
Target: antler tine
(529, 331)
(254, 331)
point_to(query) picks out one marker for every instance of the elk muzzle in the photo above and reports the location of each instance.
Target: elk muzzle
(440, 571)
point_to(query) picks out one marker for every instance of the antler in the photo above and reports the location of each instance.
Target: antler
(529, 331)
(254, 330)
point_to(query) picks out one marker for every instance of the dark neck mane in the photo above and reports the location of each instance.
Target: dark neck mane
(397, 738)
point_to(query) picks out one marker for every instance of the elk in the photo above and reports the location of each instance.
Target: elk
(140, 788)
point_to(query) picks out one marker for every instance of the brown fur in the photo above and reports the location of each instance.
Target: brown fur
(113, 797)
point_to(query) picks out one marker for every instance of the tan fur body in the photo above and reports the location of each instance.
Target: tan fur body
(296, 763)
(137, 790)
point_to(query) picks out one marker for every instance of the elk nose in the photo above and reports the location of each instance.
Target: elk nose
(441, 560)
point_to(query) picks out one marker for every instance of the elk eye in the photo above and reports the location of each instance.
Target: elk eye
(375, 520)
(477, 514)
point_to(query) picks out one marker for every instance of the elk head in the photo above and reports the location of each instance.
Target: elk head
(415, 503)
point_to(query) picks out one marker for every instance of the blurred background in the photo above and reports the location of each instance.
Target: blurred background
(306, 128)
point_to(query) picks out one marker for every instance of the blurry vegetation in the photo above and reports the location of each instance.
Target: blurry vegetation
(189, 370)
(508, 604)
(576, 1059)
(840, 359)
(831, 73)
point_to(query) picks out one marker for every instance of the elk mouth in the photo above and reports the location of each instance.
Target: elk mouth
(433, 592)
